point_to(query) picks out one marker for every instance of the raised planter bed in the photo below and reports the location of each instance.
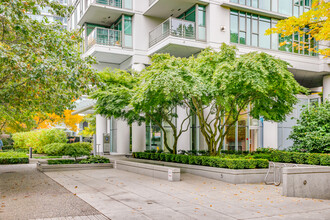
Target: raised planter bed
(64, 167)
(306, 182)
(239, 176)
(156, 171)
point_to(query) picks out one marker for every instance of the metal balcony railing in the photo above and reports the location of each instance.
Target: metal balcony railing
(172, 27)
(104, 36)
(113, 3)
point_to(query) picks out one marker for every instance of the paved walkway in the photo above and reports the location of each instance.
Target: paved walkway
(26, 193)
(123, 195)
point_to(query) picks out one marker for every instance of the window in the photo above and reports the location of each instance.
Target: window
(249, 29)
(234, 26)
(287, 7)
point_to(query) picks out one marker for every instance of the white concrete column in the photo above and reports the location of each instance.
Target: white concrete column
(184, 142)
(138, 137)
(138, 132)
(270, 135)
(326, 87)
(101, 128)
(123, 137)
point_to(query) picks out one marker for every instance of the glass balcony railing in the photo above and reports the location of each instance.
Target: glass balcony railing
(127, 4)
(173, 27)
(103, 36)
(151, 1)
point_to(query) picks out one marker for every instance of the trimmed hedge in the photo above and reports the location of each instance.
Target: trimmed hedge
(74, 150)
(12, 157)
(239, 163)
(89, 160)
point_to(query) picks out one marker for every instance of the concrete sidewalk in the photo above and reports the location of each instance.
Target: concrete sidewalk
(26, 193)
(123, 195)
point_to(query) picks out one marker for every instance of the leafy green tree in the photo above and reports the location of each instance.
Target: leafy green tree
(41, 67)
(312, 132)
(225, 87)
(145, 97)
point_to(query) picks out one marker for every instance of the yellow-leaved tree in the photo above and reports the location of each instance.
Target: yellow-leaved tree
(315, 23)
(51, 120)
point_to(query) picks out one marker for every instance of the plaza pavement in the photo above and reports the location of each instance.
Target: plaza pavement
(122, 195)
(26, 193)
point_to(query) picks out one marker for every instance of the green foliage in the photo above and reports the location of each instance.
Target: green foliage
(63, 161)
(325, 160)
(77, 149)
(55, 149)
(13, 157)
(312, 132)
(91, 129)
(95, 159)
(38, 139)
(236, 163)
(41, 67)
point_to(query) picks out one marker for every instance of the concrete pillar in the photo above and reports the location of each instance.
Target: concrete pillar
(101, 128)
(138, 137)
(326, 87)
(123, 137)
(270, 133)
(138, 132)
(184, 142)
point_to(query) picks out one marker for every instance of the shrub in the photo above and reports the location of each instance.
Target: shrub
(168, 157)
(312, 132)
(38, 139)
(262, 163)
(299, 158)
(313, 159)
(77, 149)
(55, 149)
(154, 156)
(185, 159)
(325, 160)
(12, 157)
(95, 159)
(162, 156)
(63, 161)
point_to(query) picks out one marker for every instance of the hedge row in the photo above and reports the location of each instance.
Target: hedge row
(12, 157)
(74, 150)
(88, 160)
(204, 160)
(300, 158)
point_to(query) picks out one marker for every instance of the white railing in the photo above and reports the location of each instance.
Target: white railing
(104, 36)
(172, 27)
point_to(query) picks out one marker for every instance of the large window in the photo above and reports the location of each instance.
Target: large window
(287, 7)
(249, 29)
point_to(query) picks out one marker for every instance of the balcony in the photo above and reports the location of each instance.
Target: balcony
(177, 37)
(104, 12)
(106, 46)
(170, 8)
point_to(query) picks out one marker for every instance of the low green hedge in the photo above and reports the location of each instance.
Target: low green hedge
(13, 157)
(89, 160)
(300, 158)
(239, 163)
(74, 150)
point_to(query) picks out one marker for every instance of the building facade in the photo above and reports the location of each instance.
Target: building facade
(124, 33)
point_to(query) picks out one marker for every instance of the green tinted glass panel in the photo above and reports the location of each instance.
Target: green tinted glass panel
(264, 4)
(234, 28)
(285, 7)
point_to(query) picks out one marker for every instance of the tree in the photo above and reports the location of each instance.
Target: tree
(51, 120)
(91, 129)
(315, 23)
(159, 94)
(224, 87)
(312, 132)
(41, 67)
(151, 95)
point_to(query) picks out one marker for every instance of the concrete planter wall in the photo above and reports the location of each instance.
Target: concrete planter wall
(157, 171)
(244, 176)
(306, 182)
(64, 167)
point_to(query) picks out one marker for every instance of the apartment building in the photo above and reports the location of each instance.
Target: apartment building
(44, 12)
(124, 33)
